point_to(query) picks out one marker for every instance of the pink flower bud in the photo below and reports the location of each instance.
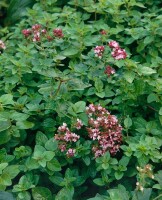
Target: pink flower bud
(103, 32)
(109, 70)
(26, 32)
(70, 152)
(58, 33)
(113, 44)
(119, 54)
(2, 45)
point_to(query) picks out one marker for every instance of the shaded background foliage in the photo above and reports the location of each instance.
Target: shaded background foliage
(42, 84)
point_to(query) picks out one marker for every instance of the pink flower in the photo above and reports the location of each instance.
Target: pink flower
(44, 31)
(98, 50)
(58, 33)
(104, 129)
(109, 70)
(113, 44)
(70, 152)
(36, 27)
(78, 124)
(71, 137)
(103, 32)
(62, 147)
(66, 139)
(119, 54)
(2, 45)
(36, 37)
(63, 128)
(26, 32)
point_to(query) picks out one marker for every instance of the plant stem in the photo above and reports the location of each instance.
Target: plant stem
(152, 108)
(157, 197)
(58, 89)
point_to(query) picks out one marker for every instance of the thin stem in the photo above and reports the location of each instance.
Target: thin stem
(59, 86)
(152, 108)
(57, 91)
(76, 4)
(157, 197)
(95, 15)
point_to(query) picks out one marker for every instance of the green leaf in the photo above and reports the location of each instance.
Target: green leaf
(77, 85)
(70, 52)
(79, 181)
(41, 193)
(100, 94)
(79, 106)
(98, 197)
(86, 160)
(152, 97)
(99, 85)
(146, 70)
(19, 116)
(54, 165)
(12, 170)
(128, 122)
(31, 163)
(41, 138)
(106, 157)
(160, 111)
(16, 10)
(158, 177)
(114, 194)
(160, 119)
(51, 144)
(139, 5)
(124, 161)
(24, 125)
(4, 125)
(6, 196)
(108, 92)
(3, 166)
(6, 179)
(118, 175)
(56, 180)
(24, 195)
(38, 152)
(25, 183)
(148, 40)
(4, 137)
(129, 76)
(113, 161)
(65, 194)
(119, 193)
(99, 181)
(48, 155)
(105, 165)
(6, 99)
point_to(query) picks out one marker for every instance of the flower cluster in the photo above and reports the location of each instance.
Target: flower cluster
(143, 174)
(26, 32)
(66, 138)
(117, 53)
(109, 70)
(104, 129)
(78, 124)
(58, 33)
(37, 32)
(2, 45)
(98, 50)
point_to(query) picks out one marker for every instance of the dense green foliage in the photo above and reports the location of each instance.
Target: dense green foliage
(46, 83)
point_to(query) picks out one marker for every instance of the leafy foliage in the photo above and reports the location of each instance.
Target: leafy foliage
(48, 79)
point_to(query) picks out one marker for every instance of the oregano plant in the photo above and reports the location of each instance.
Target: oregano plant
(80, 101)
